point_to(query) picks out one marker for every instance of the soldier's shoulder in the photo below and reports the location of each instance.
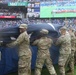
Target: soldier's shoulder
(37, 40)
(72, 35)
(51, 39)
(24, 33)
(62, 36)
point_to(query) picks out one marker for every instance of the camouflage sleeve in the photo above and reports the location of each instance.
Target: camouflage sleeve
(59, 41)
(73, 39)
(18, 41)
(35, 42)
(50, 42)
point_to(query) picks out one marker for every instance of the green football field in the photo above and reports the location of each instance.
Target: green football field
(45, 72)
(50, 11)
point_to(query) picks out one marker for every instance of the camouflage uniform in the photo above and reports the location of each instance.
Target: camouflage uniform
(24, 63)
(64, 42)
(43, 55)
(75, 49)
(71, 62)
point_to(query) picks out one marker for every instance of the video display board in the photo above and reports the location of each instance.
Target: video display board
(33, 9)
(58, 9)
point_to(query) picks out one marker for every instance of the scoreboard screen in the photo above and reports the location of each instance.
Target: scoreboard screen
(58, 9)
(33, 9)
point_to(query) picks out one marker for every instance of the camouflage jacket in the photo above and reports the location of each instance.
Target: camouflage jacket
(75, 43)
(64, 41)
(43, 44)
(23, 42)
(72, 41)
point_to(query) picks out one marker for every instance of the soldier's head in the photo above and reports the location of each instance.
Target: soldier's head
(44, 32)
(23, 27)
(63, 30)
(71, 30)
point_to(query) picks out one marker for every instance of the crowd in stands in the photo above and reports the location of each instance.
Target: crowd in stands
(59, 3)
(5, 12)
(6, 1)
(70, 22)
(11, 23)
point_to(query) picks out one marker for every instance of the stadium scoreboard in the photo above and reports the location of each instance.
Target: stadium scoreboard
(58, 9)
(33, 9)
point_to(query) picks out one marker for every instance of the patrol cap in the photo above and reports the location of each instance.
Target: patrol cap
(44, 31)
(63, 28)
(23, 26)
(71, 29)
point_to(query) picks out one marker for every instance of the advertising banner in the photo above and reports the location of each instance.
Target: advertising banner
(18, 4)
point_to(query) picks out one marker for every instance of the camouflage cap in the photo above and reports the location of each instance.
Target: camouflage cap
(63, 28)
(44, 31)
(23, 26)
(71, 28)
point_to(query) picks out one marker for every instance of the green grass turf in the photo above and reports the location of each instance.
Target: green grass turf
(45, 72)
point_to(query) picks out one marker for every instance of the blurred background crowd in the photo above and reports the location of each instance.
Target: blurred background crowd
(5, 12)
(19, 13)
(5, 1)
(9, 23)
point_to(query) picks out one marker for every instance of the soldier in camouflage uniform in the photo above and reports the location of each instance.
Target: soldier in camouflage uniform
(24, 63)
(64, 41)
(75, 48)
(43, 55)
(71, 61)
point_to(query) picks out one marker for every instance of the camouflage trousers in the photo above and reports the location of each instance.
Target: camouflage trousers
(71, 62)
(75, 57)
(24, 65)
(47, 61)
(62, 62)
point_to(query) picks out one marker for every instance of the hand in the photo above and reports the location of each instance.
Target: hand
(30, 35)
(1, 42)
(13, 38)
(8, 45)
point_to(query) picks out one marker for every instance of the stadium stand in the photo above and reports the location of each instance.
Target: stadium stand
(5, 12)
(6, 1)
(11, 23)
(70, 22)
